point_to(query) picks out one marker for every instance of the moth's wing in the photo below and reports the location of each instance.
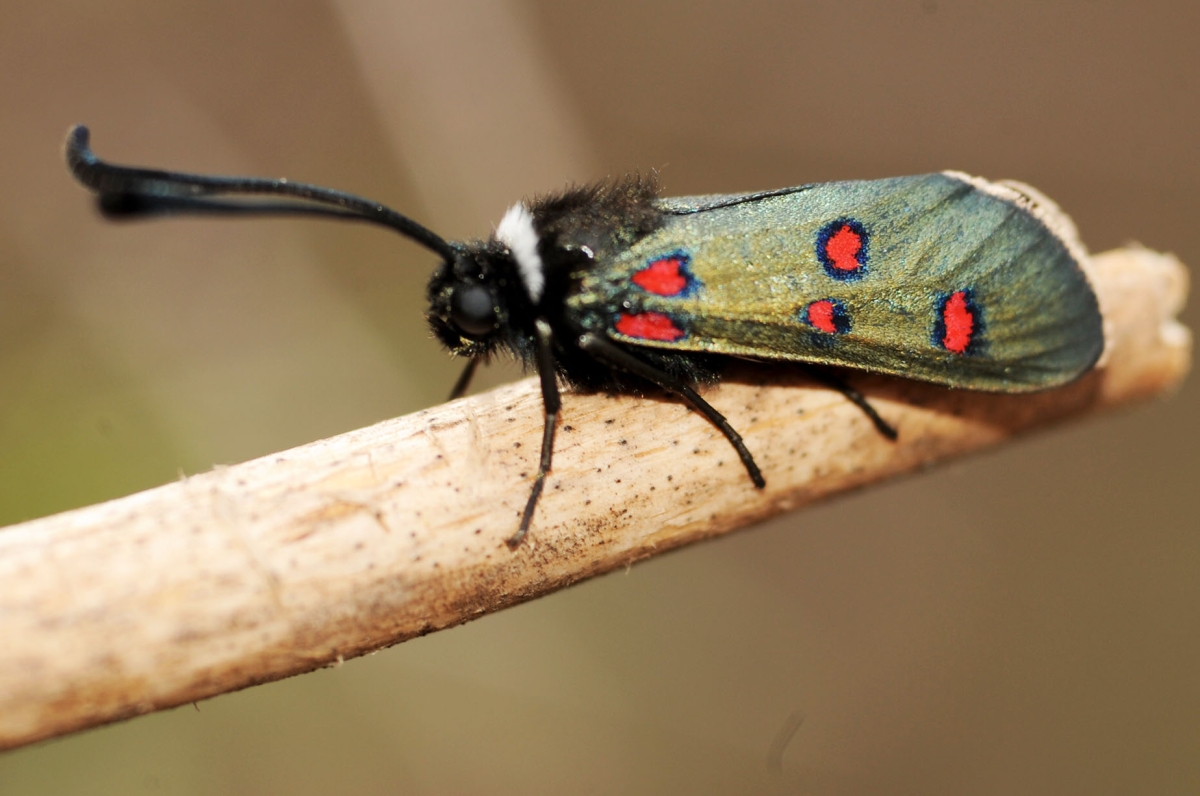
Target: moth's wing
(687, 205)
(939, 277)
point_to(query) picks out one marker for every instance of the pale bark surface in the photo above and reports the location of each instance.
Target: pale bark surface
(299, 559)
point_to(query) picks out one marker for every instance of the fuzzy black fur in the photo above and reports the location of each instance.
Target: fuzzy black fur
(578, 229)
(606, 217)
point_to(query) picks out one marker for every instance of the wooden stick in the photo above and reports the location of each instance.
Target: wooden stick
(298, 560)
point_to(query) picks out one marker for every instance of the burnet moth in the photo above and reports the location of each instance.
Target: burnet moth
(943, 278)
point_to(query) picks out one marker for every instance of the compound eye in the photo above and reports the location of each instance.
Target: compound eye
(473, 310)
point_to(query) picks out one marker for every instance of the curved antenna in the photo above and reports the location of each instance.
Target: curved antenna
(125, 191)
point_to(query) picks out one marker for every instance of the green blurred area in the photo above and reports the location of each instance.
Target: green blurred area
(1024, 621)
(73, 431)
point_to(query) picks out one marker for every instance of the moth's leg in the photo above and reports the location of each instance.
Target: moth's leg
(552, 403)
(618, 357)
(852, 395)
(464, 381)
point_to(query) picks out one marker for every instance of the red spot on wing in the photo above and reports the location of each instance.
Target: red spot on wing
(843, 247)
(649, 326)
(821, 316)
(958, 319)
(663, 277)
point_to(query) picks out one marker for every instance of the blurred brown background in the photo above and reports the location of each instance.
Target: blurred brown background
(1023, 622)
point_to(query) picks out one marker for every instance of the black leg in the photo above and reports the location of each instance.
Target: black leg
(552, 402)
(622, 359)
(464, 381)
(853, 396)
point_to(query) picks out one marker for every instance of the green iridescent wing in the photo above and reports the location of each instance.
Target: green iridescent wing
(939, 277)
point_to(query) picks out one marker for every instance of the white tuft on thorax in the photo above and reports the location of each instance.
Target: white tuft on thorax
(517, 233)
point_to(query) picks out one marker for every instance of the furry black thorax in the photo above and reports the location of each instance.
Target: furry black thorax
(578, 230)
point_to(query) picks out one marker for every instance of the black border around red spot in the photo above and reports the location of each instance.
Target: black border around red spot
(840, 316)
(683, 269)
(974, 337)
(831, 229)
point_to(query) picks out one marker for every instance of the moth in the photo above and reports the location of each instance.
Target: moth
(943, 278)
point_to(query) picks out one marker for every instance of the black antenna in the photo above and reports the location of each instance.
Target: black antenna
(126, 192)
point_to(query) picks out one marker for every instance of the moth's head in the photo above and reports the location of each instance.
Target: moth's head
(467, 308)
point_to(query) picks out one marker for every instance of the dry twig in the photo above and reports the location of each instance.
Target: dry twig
(294, 561)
